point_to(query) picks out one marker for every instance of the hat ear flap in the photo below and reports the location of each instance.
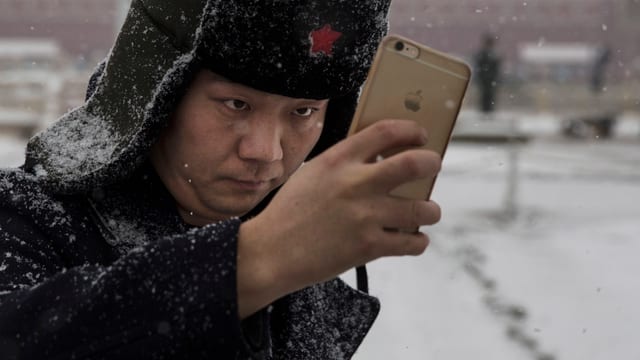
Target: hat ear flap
(337, 121)
(95, 79)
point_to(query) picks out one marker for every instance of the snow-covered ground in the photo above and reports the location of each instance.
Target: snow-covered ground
(556, 280)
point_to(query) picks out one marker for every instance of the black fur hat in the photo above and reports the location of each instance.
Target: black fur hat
(305, 49)
(310, 49)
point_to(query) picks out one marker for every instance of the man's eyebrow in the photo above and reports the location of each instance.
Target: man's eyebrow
(215, 78)
(312, 101)
(222, 82)
(218, 78)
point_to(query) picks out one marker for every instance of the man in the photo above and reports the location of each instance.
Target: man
(601, 59)
(487, 70)
(145, 224)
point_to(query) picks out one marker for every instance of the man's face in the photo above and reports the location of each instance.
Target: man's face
(227, 146)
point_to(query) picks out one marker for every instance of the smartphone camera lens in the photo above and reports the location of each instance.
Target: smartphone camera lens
(399, 46)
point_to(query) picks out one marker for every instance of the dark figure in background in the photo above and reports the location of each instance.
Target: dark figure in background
(599, 65)
(602, 124)
(599, 121)
(487, 70)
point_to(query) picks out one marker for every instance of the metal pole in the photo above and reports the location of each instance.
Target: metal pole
(511, 208)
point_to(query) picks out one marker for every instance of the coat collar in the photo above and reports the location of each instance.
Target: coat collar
(136, 211)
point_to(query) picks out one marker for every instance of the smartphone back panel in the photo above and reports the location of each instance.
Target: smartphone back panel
(411, 81)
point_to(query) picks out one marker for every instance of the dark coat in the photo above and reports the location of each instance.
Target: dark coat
(117, 274)
(96, 263)
(487, 73)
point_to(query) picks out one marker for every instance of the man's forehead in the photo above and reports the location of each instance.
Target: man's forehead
(211, 78)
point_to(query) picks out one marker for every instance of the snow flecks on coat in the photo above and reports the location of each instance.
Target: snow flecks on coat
(329, 313)
(171, 286)
(93, 140)
(17, 189)
(177, 290)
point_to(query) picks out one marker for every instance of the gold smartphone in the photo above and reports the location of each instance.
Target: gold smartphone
(411, 81)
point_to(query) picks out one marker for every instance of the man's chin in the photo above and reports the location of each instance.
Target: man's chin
(211, 217)
(237, 208)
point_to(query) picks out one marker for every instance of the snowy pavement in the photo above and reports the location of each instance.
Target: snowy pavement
(556, 281)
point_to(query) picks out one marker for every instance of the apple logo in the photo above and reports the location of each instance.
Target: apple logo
(412, 101)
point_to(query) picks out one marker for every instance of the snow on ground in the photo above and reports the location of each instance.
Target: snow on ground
(555, 281)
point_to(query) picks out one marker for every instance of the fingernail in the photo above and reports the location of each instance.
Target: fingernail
(424, 136)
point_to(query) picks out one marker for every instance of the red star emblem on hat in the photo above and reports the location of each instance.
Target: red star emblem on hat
(322, 40)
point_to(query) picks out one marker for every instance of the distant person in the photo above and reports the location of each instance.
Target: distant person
(603, 122)
(487, 72)
(600, 120)
(602, 58)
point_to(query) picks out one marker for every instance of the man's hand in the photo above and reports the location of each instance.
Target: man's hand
(334, 213)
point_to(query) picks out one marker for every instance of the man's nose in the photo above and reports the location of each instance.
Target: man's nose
(262, 141)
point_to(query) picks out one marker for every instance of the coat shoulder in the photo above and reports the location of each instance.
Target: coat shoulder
(23, 195)
(15, 184)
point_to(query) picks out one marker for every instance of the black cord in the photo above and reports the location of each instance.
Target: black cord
(362, 279)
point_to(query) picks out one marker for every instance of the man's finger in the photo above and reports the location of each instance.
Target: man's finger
(403, 167)
(383, 136)
(398, 243)
(398, 213)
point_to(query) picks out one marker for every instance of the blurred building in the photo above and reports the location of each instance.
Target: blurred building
(84, 29)
(549, 48)
(564, 32)
(457, 26)
(47, 50)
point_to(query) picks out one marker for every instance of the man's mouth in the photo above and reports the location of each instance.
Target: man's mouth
(250, 184)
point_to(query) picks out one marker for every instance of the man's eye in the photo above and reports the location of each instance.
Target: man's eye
(305, 111)
(235, 104)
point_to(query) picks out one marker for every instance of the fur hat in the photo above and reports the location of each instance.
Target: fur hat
(305, 49)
